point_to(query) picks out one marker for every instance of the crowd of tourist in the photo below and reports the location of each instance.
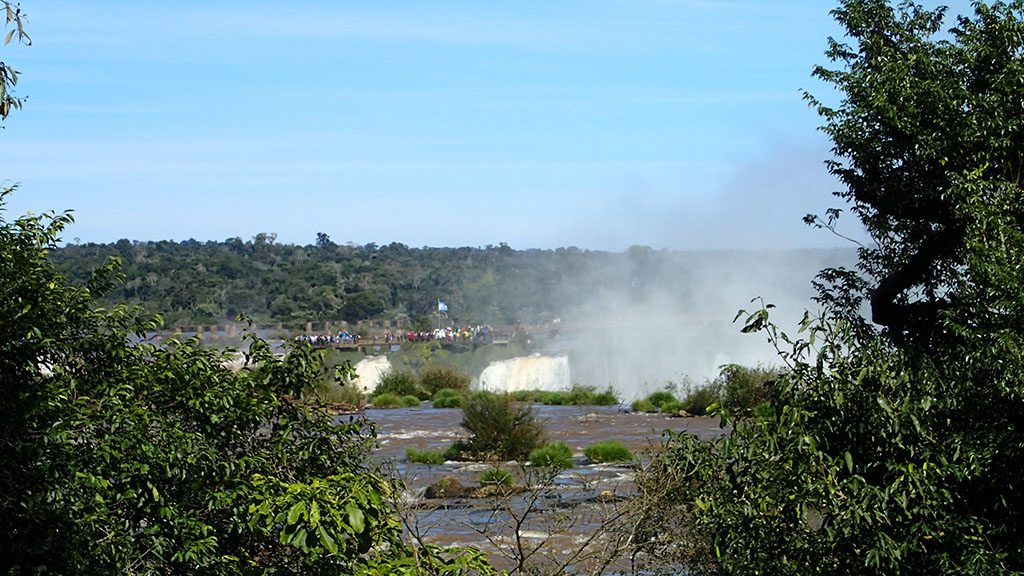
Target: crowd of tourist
(480, 334)
(321, 340)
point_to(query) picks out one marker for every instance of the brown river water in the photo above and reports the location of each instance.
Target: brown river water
(555, 519)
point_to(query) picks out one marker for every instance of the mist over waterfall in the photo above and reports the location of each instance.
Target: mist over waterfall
(369, 371)
(534, 372)
(643, 320)
(660, 317)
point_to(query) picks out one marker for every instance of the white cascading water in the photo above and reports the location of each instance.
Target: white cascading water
(369, 371)
(534, 372)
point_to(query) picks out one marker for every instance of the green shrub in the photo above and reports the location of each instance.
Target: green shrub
(457, 450)
(579, 396)
(643, 405)
(553, 398)
(699, 399)
(499, 428)
(608, 451)
(660, 397)
(525, 395)
(435, 378)
(671, 407)
(333, 385)
(387, 401)
(575, 396)
(764, 411)
(434, 457)
(588, 396)
(326, 390)
(606, 398)
(447, 398)
(410, 401)
(496, 476)
(552, 455)
(398, 383)
(745, 388)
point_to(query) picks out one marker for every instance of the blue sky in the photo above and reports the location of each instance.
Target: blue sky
(673, 124)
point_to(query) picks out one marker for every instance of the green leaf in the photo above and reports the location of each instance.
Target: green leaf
(356, 518)
(295, 512)
(885, 405)
(326, 541)
(314, 513)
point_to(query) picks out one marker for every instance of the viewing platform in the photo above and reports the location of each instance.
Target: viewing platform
(365, 337)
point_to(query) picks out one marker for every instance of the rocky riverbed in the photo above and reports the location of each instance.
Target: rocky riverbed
(550, 518)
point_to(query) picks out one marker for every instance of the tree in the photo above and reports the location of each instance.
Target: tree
(928, 129)
(361, 305)
(893, 447)
(324, 241)
(119, 456)
(134, 458)
(499, 428)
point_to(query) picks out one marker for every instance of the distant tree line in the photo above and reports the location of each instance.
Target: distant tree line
(213, 282)
(210, 282)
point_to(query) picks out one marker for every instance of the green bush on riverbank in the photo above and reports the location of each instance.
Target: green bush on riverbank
(552, 455)
(743, 390)
(608, 451)
(576, 396)
(496, 477)
(498, 427)
(433, 457)
(435, 378)
(643, 405)
(447, 398)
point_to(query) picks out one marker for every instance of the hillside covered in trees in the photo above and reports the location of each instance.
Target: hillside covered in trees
(213, 282)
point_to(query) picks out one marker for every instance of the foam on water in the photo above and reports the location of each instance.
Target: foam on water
(408, 435)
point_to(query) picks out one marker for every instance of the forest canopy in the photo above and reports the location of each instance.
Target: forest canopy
(195, 282)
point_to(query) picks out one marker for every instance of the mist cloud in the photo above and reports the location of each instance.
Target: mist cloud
(660, 317)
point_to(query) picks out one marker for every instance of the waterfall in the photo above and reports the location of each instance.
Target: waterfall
(369, 371)
(534, 372)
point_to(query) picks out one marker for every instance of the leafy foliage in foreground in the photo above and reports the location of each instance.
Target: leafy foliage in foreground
(874, 462)
(895, 450)
(121, 458)
(9, 76)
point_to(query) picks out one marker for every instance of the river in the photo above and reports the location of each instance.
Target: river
(557, 518)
